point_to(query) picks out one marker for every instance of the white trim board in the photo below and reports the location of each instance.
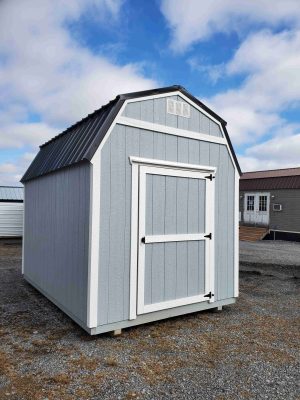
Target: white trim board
(171, 164)
(236, 234)
(94, 220)
(174, 238)
(23, 234)
(149, 126)
(147, 308)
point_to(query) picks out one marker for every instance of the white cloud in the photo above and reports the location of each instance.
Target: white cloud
(272, 85)
(195, 20)
(47, 72)
(279, 152)
(268, 63)
(214, 72)
(11, 173)
(20, 135)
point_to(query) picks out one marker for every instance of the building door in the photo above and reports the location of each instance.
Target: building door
(175, 238)
(256, 208)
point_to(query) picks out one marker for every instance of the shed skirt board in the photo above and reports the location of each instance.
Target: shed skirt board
(159, 315)
(174, 260)
(81, 323)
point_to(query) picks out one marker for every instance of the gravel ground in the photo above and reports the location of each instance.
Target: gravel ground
(267, 257)
(250, 350)
(270, 252)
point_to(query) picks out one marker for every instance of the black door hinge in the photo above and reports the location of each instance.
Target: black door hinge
(210, 177)
(208, 236)
(209, 295)
(143, 239)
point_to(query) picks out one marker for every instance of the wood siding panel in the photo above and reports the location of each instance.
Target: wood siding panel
(56, 236)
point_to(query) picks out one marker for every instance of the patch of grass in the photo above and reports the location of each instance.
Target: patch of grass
(95, 380)
(58, 334)
(3, 333)
(5, 363)
(84, 363)
(132, 395)
(111, 362)
(60, 379)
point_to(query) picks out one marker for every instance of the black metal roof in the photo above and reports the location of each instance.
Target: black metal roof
(282, 182)
(80, 142)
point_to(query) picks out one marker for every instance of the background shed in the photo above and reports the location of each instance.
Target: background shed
(11, 211)
(131, 214)
(271, 199)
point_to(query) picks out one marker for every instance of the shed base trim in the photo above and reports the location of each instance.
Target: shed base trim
(58, 304)
(159, 315)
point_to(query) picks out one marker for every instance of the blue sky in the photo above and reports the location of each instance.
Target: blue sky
(60, 60)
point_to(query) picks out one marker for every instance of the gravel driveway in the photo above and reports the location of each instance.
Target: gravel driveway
(250, 350)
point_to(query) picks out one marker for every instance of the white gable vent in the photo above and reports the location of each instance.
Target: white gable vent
(178, 108)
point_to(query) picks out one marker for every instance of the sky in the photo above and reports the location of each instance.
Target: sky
(62, 59)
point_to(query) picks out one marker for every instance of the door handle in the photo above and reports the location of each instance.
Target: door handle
(143, 240)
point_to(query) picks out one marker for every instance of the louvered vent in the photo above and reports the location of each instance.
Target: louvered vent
(178, 108)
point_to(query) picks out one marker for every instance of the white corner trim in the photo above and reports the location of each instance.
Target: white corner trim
(136, 123)
(23, 235)
(171, 164)
(134, 244)
(93, 266)
(236, 233)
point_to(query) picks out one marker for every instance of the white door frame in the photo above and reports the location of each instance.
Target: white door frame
(140, 168)
(257, 216)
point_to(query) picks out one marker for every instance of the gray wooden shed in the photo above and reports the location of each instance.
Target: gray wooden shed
(131, 214)
(11, 211)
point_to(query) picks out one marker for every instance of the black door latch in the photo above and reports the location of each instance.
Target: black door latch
(143, 239)
(209, 295)
(208, 236)
(210, 177)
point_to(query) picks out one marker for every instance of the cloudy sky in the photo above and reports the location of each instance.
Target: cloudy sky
(61, 59)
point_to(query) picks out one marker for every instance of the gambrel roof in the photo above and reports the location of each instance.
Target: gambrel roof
(79, 142)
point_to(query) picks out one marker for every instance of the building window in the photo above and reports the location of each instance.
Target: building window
(262, 203)
(250, 203)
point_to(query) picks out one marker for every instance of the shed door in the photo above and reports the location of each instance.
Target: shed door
(175, 264)
(256, 208)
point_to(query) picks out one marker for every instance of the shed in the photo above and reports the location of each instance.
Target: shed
(11, 211)
(271, 199)
(131, 214)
